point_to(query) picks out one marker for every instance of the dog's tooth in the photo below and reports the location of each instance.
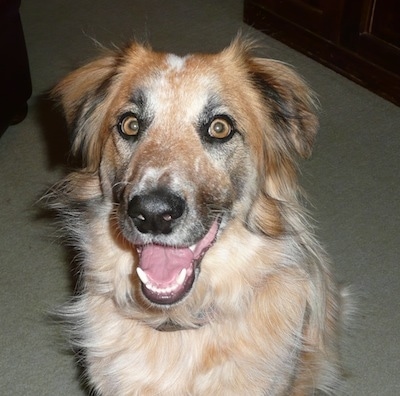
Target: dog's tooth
(181, 277)
(142, 276)
(160, 291)
(178, 282)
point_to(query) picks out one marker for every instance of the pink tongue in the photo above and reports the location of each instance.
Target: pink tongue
(162, 264)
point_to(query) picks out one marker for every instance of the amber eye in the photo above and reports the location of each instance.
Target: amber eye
(220, 128)
(129, 125)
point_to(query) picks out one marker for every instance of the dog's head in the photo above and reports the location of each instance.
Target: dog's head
(183, 146)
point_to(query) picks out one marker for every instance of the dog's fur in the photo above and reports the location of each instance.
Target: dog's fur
(261, 316)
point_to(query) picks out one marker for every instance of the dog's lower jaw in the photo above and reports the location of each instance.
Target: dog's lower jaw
(192, 312)
(171, 294)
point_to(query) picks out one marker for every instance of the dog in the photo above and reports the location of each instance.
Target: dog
(199, 270)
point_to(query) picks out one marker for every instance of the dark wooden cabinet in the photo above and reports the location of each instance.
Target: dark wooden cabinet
(358, 38)
(15, 79)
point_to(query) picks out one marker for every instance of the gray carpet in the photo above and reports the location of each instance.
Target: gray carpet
(352, 180)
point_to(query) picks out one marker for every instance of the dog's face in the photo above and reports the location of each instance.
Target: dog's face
(185, 145)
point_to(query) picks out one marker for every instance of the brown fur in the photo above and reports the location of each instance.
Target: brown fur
(262, 315)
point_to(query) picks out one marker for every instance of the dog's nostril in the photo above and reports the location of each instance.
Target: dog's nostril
(155, 212)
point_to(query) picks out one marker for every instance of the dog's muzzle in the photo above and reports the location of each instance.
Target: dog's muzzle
(167, 272)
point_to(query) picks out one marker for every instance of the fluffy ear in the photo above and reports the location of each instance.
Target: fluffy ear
(290, 127)
(290, 102)
(83, 95)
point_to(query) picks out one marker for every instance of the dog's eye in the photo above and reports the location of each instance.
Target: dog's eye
(220, 128)
(129, 125)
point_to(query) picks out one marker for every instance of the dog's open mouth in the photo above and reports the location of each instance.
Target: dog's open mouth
(167, 273)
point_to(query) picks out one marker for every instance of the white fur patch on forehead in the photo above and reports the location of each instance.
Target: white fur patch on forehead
(177, 91)
(176, 62)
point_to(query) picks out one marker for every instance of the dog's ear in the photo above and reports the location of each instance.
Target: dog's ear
(290, 102)
(83, 95)
(289, 126)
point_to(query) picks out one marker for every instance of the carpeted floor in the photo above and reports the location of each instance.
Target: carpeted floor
(352, 179)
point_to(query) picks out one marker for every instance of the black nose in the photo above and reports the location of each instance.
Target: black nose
(156, 212)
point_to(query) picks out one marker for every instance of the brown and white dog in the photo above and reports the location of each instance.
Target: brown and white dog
(200, 274)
